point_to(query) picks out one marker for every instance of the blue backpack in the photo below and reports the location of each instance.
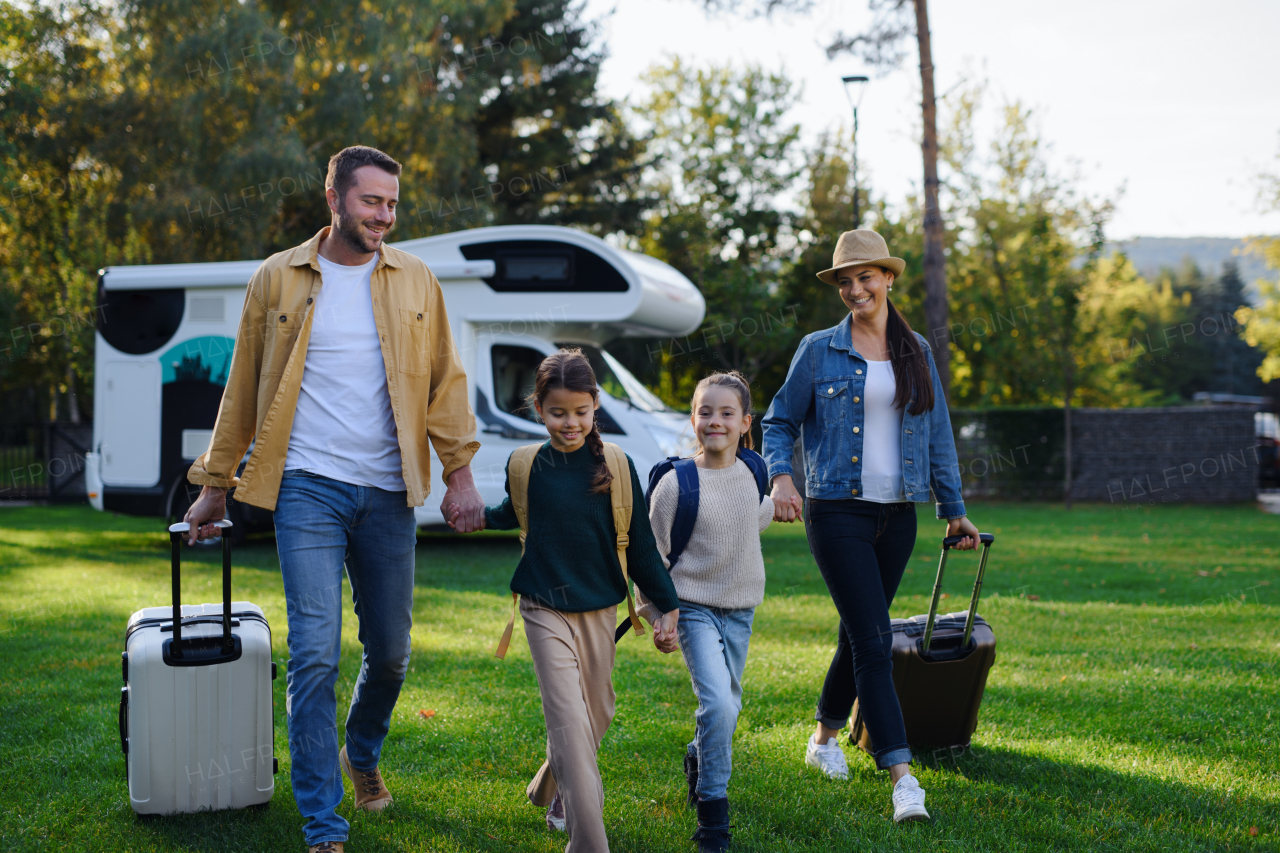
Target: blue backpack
(687, 504)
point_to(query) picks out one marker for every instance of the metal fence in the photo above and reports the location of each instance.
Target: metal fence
(43, 461)
(1010, 454)
(1191, 454)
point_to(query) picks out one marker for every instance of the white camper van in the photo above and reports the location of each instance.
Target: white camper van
(514, 294)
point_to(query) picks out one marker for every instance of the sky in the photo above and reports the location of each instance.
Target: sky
(1169, 106)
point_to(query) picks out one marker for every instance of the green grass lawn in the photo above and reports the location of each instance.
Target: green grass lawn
(1134, 704)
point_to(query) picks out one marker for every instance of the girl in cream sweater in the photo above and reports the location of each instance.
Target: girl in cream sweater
(719, 577)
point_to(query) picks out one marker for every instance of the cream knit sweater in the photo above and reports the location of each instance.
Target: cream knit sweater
(722, 565)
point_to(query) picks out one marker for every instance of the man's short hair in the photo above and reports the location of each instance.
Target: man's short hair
(343, 165)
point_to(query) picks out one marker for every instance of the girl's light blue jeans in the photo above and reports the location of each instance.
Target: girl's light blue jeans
(714, 642)
(322, 524)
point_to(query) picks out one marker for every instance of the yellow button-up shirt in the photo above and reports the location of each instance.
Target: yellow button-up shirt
(425, 380)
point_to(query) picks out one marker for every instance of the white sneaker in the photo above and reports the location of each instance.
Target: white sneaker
(829, 758)
(908, 800)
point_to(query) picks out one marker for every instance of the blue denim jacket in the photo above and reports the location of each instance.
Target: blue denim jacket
(817, 402)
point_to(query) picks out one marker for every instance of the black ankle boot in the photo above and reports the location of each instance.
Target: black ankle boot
(691, 774)
(712, 834)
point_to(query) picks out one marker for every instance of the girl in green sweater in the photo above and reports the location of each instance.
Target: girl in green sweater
(570, 583)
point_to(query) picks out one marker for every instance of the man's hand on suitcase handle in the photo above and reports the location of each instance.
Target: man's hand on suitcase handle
(962, 526)
(211, 505)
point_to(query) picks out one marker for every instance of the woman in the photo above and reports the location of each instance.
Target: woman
(866, 399)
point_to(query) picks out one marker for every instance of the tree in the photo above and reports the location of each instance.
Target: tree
(561, 127)
(196, 130)
(719, 218)
(1024, 248)
(1262, 325)
(1226, 363)
(881, 46)
(56, 77)
(490, 106)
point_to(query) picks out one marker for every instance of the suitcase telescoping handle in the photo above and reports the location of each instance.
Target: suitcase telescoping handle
(175, 540)
(947, 544)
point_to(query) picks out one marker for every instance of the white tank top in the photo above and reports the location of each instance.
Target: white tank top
(881, 437)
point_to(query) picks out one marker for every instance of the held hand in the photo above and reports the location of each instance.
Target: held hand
(211, 505)
(463, 507)
(786, 500)
(962, 526)
(663, 643)
(453, 512)
(665, 633)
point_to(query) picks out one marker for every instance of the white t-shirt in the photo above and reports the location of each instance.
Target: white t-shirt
(882, 437)
(343, 427)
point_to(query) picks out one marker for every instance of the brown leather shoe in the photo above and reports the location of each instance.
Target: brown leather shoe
(326, 847)
(371, 794)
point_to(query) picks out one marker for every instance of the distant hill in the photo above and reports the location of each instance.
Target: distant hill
(1150, 254)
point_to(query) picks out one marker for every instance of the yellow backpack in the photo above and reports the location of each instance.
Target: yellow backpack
(518, 471)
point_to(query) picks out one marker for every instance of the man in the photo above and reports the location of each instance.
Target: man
(344, 367)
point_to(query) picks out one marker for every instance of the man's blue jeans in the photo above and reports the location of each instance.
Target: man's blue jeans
(320, 525)
(714, 642)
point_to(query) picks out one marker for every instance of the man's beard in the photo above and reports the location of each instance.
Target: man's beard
(348, 229)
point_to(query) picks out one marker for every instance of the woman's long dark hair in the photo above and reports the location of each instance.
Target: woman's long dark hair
(910, 365)
(569, 370)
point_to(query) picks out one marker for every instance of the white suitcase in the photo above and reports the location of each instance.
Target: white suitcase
(196, 722)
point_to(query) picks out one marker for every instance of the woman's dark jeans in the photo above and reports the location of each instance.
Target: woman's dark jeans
(862, 549)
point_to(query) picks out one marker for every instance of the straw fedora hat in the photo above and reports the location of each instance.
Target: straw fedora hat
(858, 248)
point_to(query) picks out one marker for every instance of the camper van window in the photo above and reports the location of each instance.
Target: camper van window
(514, 371)
(535, 268)
(618, 382)
(545, 266)
(139, 321)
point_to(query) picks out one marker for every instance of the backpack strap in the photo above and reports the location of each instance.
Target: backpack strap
(759, 468)
(519, 467)
(656, 473)
(622, 500)
(686, 501)
(686, 508)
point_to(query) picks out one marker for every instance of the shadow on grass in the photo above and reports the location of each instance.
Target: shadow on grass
(1079, 806)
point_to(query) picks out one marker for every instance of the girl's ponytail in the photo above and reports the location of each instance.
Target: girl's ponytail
(569, 369)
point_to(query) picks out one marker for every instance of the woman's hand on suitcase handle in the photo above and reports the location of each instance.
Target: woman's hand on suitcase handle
(786, 500)
(962, 526)
(211, 505)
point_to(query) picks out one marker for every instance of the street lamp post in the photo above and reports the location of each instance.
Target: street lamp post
(859, 83)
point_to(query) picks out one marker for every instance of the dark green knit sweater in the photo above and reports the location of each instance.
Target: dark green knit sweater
(570, 560)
